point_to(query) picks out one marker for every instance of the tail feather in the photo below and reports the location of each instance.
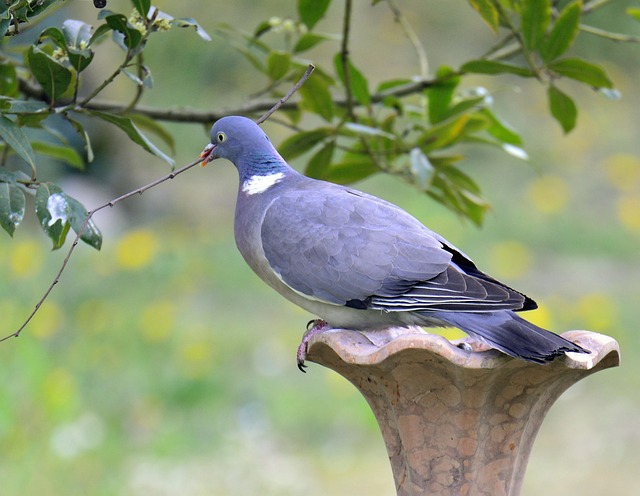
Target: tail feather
(511, 334)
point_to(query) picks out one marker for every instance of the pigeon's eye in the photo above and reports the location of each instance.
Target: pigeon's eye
(221, 137)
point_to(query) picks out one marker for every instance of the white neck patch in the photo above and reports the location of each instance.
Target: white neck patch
(260, 184)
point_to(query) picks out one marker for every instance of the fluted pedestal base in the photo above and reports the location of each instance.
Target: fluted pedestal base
(455, 422)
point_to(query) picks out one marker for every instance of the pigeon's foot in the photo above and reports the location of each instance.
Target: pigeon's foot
(313, 327)
(470, 344)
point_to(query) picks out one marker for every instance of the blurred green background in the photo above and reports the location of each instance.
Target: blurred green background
(162, 366)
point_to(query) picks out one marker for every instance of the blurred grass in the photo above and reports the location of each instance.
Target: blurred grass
(162, 366)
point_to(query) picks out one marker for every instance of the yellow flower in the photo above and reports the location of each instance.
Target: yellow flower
(25, 258)
(59, 390)
(549, 194)
(158, 320)
(629, 212)
(48, 320)
(510, 259)
(540, 316)
(136, 249)
(598, 311)
(623, 171)
(195, 358)
(95, 316)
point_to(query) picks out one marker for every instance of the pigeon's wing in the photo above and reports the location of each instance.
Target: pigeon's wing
(344, 247)
(336, 246)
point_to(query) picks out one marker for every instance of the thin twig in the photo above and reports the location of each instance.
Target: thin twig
(137, 191)
(90, 214)
(282, 100)
(410, 33)
(344, 57)
(609, 35)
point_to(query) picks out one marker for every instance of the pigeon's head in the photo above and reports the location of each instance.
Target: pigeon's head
(237, 139)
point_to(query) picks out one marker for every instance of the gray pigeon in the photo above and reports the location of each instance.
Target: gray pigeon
(359, 262)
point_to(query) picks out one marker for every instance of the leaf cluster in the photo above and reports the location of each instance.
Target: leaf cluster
(418, 127)
(42, 91)
(414, 127)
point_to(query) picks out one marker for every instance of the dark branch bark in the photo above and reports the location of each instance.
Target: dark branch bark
(192, 116)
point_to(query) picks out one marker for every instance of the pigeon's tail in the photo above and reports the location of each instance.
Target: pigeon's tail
(511, 334)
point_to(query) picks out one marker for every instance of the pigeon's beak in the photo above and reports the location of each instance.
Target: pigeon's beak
(208, 154)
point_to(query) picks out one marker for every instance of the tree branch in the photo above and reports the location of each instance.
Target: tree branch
(138, 191)
(188, 115)
(410, 33)
(344, 57)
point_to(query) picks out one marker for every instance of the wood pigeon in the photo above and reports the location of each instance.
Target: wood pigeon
(359, 262)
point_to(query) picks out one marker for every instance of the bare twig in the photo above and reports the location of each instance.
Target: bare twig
(412, 36)
(344, 57)
(138, 191)
(609, 35)
(282, 100)
(90, 214)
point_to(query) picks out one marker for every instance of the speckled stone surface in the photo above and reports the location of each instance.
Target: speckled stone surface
(455, 422)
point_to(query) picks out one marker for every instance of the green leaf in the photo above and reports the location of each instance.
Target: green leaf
(145, 80)
(189, 22)
(99, 34)
(27, 107)
(37, 8)
(308, 41)
(54, 34)
(262, 28)
(421, 169)
(487, 11)
(459, 192)
(77, 34)
(126, 124)
(316, 97)
(357, 82)
(354, 128)
(321, 160)
(583, 71)
(633, 12)
(119, 23)
(536, 15)
(300, 143)
(12, 206)
(278, 64)
(80, 59)
(64, 153)
(351, 169)
(85, 137)
(142, 6)
(441, 94)
(77, 215)
(452, 131)
(563, 109)
(8, 80)
(52, 212)
(500, 129)
(564, 32)
(154, 126)
(391, 83)
(5, 22)
(17, 139)
(311, 11)
(54, 77)
(493, 67)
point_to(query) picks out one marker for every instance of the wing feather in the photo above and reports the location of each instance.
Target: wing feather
(346, 247)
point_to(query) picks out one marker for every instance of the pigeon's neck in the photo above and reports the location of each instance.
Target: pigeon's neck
(261, 171)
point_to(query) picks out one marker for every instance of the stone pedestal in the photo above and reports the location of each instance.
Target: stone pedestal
(456, 422)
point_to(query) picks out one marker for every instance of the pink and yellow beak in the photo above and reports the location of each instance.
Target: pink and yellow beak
(208, 154)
